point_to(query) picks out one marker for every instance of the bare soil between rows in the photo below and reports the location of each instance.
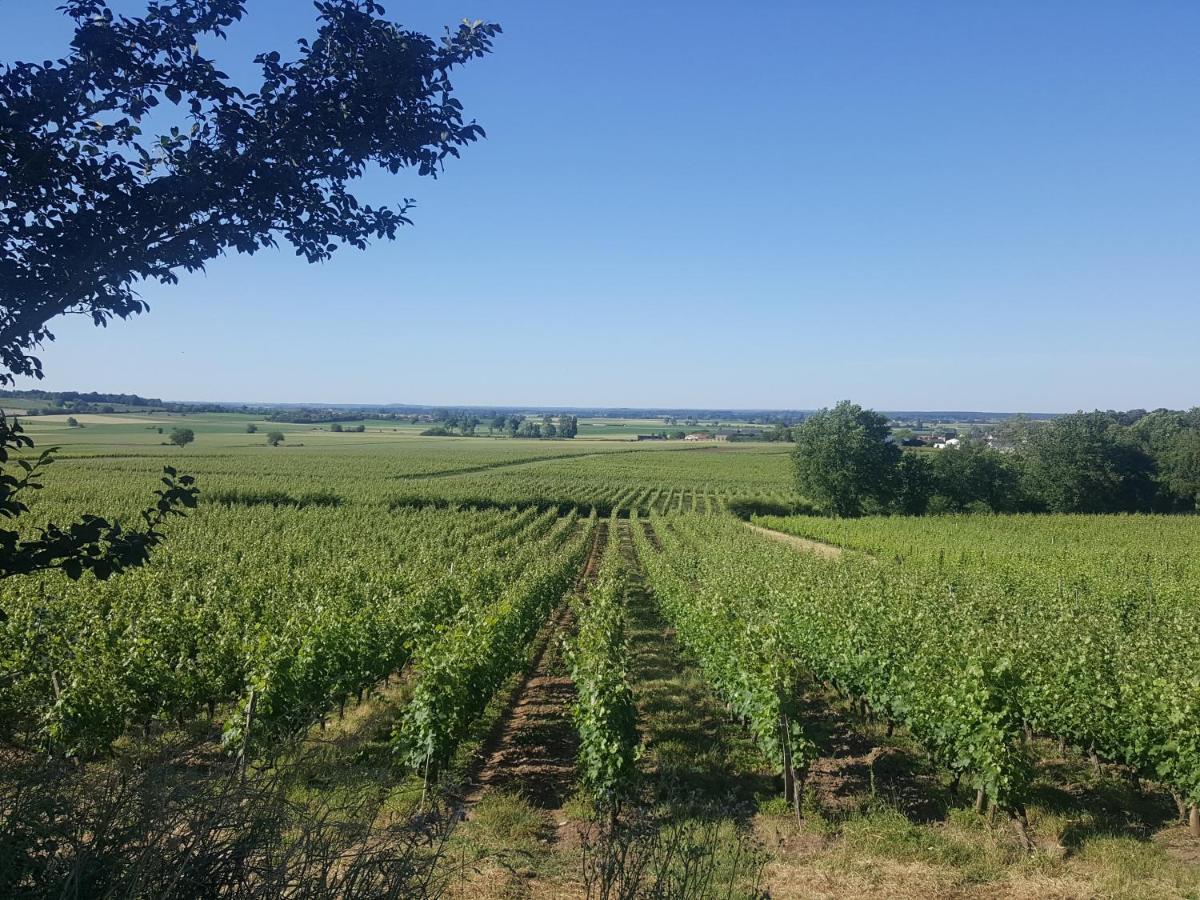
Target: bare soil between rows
(534, 746)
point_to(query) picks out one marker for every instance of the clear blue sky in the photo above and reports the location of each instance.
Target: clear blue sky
(918, 205)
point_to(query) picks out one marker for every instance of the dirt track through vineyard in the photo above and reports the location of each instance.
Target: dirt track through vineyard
(694, 752)
(829, 551)
(533, 748)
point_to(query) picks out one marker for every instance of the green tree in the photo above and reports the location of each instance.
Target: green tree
(274, 438)
(92, 207)
(72, 422)
(336, 427)
(1180, 466)
(1088, 463)
(974, 476)
(845, 461)
(1172, 439)
(181, 437)
(914, 484)
(251, 428)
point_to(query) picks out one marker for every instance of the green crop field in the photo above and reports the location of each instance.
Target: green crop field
(387, 607)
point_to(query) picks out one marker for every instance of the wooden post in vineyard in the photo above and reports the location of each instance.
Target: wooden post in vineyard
(243, 757)
(791, 784)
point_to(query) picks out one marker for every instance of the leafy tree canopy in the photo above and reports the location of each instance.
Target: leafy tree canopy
(845, 460)
(181, 437)
(1087, 463)
(134, 157)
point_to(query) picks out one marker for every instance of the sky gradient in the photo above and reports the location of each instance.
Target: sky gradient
(757, 205)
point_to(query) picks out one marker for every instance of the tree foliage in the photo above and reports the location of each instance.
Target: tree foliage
(1095, 462)
(1085, 462)
(104, 184)
(845, 461)
(975, 477)
(181, 437)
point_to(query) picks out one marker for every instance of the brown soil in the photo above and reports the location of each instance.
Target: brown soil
(858, 761)
(829, 551)
(533, 748)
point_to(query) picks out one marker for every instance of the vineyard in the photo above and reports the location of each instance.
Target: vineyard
(999, 704)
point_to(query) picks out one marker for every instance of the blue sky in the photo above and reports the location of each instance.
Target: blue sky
(917, 205)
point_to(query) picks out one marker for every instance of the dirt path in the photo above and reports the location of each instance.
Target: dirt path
(533, 748)
(829, 551)
(694, 753)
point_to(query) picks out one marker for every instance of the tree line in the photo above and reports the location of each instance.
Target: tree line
(546, 426)
(848, 461)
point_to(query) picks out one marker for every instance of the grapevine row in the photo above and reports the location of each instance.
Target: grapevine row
(597, 654)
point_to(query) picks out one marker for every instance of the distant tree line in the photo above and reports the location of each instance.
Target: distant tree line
(546, 426)
(848, 461)
(95, 402)
(327, 416)
(91, 397)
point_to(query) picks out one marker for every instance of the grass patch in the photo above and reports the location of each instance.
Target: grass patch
(505, 822)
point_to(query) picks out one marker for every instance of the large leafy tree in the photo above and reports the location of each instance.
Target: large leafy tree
(1172, 438)
(974, 476)
(1088, 463)
(845, 459)
(134, 157)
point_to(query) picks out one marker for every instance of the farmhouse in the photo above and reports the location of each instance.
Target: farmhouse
(698, 436)
(738, 434)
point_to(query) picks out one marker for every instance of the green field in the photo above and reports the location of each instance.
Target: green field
(1043, 666)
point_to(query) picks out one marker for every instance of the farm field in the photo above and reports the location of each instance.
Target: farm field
(954, 706)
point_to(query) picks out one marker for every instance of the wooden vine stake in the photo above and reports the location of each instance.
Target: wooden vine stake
(789, 781)
(1194, 820)
(244, 756)
(792, 786)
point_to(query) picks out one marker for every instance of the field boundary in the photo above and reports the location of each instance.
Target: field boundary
(536, 460)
